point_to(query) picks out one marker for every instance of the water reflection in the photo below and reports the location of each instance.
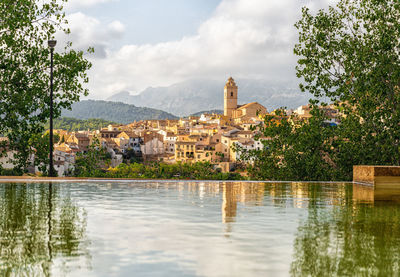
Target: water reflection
(382, 190)
(197, 229)
(363, 194)
(361, 237)
(250, 194)
(39, 224)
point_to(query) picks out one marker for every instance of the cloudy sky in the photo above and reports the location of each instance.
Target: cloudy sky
(142, 43)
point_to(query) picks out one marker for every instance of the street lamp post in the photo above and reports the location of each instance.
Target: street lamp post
(52, 44)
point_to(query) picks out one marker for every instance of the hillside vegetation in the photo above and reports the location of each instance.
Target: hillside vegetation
(114, 111)
(208, 112)
(72, 124)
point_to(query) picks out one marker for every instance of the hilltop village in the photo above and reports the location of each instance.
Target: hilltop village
(207, 138)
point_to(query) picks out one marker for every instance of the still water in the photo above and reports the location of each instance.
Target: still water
(196, 229)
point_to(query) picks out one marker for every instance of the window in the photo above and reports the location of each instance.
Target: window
(231, 94)
(217, 140)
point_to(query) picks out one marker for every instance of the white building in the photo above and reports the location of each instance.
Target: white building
(64, 163)
(152, 145)
(169, 141)
(246, 145)
(129, 140)
(6, 160)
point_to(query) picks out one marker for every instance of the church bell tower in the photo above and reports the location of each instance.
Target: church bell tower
(230, 97)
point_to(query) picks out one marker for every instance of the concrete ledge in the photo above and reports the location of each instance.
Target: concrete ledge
(378, 183)
(371, 173)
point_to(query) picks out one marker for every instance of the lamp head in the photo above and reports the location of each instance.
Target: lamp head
(52, 43)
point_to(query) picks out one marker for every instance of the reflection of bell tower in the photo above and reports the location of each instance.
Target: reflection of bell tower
(230, 97)
(229, 202)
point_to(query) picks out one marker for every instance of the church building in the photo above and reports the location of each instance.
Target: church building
(239, 113)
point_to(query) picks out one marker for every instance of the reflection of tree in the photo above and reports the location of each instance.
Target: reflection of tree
(351, 239)
(39, 223)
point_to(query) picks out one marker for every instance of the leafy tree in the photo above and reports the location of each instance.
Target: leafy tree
(348, 54)
(40, 144)
(294, 149)
(25, 27)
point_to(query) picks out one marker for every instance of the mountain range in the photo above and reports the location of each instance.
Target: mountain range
(192, 96)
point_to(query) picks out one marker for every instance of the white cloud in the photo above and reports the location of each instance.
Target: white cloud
(116, 28)
(243, 38)
(88, 32)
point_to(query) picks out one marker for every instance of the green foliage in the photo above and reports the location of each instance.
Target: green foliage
(41, 144)
(131, 156)
(10, 172)
(25, 27)
(350, 55)
(73, 124)
(159, 170)
(294, 150)
(114, 111)
(92, 163)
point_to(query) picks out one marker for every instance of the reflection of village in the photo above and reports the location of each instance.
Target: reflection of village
(253, 194)
(280, 194)
(297, 195)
